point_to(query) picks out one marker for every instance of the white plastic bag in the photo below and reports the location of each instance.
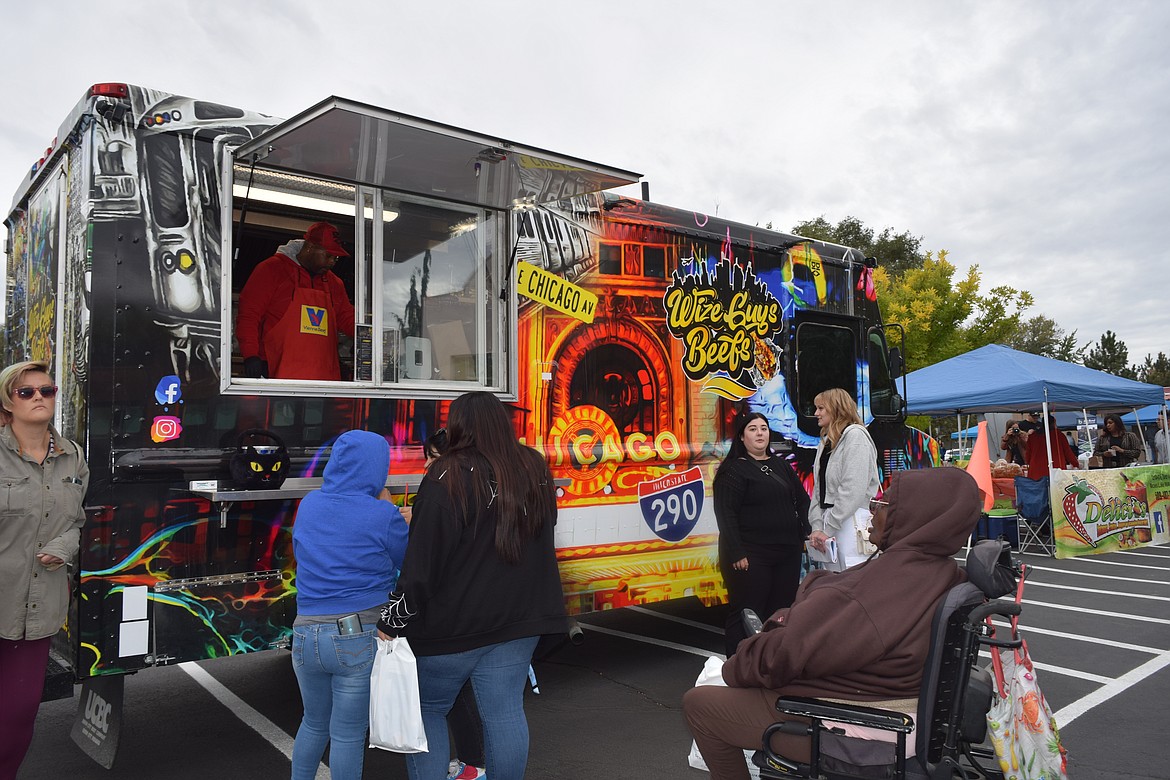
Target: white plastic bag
(395, 710)
(712, 674)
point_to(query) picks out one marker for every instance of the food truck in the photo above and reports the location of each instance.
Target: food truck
(625, 336)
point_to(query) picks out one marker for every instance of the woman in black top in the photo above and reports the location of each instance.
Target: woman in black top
(760, 507)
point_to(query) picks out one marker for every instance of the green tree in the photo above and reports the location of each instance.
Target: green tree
(1068, 351)
(998, 315)
(1156, 371)
(1110, 355)
(1041, 335)
(944, 317)
(896, 252)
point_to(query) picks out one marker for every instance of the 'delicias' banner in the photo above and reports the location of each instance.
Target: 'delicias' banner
(1110, 509)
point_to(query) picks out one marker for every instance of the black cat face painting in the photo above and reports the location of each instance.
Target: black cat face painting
(259, 467)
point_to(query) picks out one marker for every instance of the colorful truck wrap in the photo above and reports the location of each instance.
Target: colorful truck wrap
(625, 335)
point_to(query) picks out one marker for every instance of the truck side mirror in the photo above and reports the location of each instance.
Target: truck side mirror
(898, 406)
(897, 365)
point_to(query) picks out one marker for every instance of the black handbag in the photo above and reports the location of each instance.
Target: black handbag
(255, 469)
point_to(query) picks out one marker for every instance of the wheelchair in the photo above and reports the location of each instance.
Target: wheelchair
(953, 701)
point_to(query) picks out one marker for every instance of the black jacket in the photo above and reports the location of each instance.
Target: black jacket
(456, 594)
(755, 509)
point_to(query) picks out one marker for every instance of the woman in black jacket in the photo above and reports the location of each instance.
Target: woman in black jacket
(479, 583)
(761, 509)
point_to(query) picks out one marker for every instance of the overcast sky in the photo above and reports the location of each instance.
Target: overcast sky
(1032, 139)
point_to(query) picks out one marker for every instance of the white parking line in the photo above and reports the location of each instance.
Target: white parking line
(1032, 584)
(1028, 629)
(1091, 559)
(251, 718)
(1077, 673)
(1095, 576)
(648, 640)
(1084, 611)
(1106, 692)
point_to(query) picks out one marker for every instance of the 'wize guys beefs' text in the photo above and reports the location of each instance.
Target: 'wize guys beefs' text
(718, 315)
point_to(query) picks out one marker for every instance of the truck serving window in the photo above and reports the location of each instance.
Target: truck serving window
(421, 277)
(424, 307)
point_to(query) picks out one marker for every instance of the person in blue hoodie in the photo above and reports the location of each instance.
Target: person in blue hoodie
(349, 541)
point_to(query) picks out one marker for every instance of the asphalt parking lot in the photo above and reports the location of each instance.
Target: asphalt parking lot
(1098, 628)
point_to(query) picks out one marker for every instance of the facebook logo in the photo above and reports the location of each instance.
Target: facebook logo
(168, 391)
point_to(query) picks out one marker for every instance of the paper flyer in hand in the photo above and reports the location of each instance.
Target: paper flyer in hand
(829, 556)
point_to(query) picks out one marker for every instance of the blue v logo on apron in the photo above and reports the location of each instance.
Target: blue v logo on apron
(314, 319)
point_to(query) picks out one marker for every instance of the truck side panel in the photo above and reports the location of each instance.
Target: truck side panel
(642, 332)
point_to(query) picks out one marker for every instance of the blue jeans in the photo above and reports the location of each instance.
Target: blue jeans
(334, 676)
(498, 674)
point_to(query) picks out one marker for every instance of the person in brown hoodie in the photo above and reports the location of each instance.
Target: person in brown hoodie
(860, 635)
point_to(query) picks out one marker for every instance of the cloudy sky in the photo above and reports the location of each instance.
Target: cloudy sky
(1030, 139)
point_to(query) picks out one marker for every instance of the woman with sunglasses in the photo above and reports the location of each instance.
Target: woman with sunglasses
(43, 479)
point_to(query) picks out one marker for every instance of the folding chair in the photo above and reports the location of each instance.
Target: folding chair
(1035, 516)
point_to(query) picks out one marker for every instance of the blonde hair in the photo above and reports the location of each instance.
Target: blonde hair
(8, 379)
(842, 413)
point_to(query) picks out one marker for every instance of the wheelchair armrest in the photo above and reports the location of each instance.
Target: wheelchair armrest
(854, 714)
(1001, 608)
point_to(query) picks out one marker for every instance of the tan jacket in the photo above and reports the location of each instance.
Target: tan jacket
(40, 512)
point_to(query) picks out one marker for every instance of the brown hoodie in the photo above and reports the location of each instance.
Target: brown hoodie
(863, 634)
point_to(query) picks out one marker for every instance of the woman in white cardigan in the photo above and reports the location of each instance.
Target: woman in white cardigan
(845, 475)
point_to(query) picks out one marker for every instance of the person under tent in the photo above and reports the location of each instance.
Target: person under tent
(1036, 454)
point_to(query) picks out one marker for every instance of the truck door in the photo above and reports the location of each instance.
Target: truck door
(825, 355)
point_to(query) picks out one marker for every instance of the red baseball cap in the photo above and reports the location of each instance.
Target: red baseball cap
(326, 236)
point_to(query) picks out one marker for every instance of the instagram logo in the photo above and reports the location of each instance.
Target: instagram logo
(165, 428)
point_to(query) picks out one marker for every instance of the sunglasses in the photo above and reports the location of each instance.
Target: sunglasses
(25, 393)
(875, 504)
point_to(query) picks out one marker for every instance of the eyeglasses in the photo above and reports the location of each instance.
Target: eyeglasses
(876, 503)
(25, 393)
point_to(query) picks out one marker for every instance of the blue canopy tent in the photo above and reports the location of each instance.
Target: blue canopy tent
(969, 433)
(996, 378)
(1145, 415)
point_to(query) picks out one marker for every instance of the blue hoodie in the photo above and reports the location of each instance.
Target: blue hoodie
(348, 543)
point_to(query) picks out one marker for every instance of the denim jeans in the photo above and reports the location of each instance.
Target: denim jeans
(334, 676)
(498, 674)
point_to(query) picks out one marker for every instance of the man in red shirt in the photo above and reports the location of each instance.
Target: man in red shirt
(293, 307)
(1036, 454)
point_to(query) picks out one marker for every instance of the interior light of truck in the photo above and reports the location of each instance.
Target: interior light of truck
(306, 202)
